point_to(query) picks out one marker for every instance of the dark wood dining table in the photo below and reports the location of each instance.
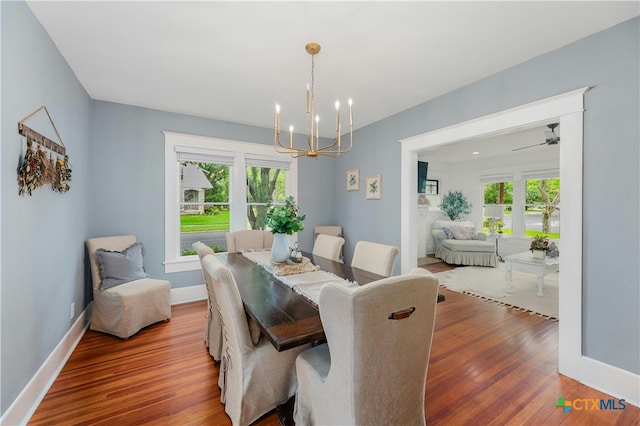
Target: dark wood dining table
(285, 317)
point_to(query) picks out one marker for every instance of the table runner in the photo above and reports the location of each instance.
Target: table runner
(306, 283)
(263, 258)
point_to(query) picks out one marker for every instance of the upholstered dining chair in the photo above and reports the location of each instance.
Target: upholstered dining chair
(373, 368)
(254, 378)
(374, 257)
(328, 247)
(333, 230)
(248, 239)
(213, 326)
(125, 299)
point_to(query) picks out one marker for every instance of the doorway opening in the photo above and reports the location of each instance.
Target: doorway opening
(567, 109)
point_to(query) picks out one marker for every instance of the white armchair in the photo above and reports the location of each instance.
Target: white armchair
(373, 368)
(125, 308)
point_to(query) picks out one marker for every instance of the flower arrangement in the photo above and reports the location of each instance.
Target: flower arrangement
(283, 218)
(539, 243)
(455, 205)
(493, 223)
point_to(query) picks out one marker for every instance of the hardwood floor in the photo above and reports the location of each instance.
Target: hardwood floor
(489, 365)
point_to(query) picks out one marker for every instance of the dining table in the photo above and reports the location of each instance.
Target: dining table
(286, 317)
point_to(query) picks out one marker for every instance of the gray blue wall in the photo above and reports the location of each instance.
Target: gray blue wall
(608, 61)
(117, 157)
(127, 186)
(42, 235)
(117, 154)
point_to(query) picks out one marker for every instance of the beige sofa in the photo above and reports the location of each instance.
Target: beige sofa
(458, 243)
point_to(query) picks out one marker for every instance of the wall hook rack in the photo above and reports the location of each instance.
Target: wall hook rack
(29, 133)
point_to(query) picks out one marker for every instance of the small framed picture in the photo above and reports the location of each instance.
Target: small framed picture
(374, 187)
(353, 180)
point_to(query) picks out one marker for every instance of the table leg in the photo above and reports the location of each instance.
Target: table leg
(508, 267)
(540, 284)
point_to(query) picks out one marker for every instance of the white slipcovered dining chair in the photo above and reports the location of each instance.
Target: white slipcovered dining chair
(333, 230)
(328, 247)
(248, 239)
(374, 257)
(213, 326)
(254, 378)
(135, 300)
(373, 368)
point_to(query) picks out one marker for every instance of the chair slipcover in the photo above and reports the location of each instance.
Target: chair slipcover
(333, 230)
(213, 327)
(374, 257)
(328, 247)
(126, 308)
(248, 239)
(373, 368)
(254, 379)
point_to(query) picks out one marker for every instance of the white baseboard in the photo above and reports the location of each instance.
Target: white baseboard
(188, 294)
(611, 380)
(26, 403)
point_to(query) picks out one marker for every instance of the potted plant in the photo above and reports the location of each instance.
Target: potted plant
(455, 205)
(283, 219)
(539, 245)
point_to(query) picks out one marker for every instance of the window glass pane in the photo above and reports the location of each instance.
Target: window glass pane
(498, 207)
(264, 185)
(542, 208)
(204, 205)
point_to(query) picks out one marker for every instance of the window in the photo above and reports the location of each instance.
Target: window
(542, 207)
(528, 203)
(431, 187)
(213, 186)
(498, 207)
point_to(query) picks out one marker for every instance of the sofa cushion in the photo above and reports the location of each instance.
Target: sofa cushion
(463, 232)
(469, 245)
(119, 267)
(447, 232)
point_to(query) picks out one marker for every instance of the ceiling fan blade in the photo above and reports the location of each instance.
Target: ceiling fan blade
(530, 146)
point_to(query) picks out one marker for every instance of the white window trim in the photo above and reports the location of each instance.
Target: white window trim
(173, 262)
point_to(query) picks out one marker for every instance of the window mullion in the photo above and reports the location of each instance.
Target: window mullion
(238, 194)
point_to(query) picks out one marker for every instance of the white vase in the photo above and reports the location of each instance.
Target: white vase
(538, 254)
(280, 251)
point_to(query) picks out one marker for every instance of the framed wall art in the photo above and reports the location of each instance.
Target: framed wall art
(374, 187)
(353, 180)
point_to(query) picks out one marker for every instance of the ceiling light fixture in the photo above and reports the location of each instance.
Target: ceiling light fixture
(314, 149)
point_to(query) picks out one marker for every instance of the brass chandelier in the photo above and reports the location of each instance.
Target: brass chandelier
(314, 149)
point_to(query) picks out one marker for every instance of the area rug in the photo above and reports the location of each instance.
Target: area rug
(491, 284)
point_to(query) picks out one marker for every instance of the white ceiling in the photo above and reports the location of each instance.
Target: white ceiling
(233, 61)
(500, 145)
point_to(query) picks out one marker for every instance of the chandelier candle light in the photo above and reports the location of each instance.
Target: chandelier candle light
(333, 149)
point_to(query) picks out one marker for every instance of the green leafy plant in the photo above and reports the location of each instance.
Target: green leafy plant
(539, 243)
(455, 205)
(283, 218)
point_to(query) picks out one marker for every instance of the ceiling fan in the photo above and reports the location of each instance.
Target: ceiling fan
(550, 135)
